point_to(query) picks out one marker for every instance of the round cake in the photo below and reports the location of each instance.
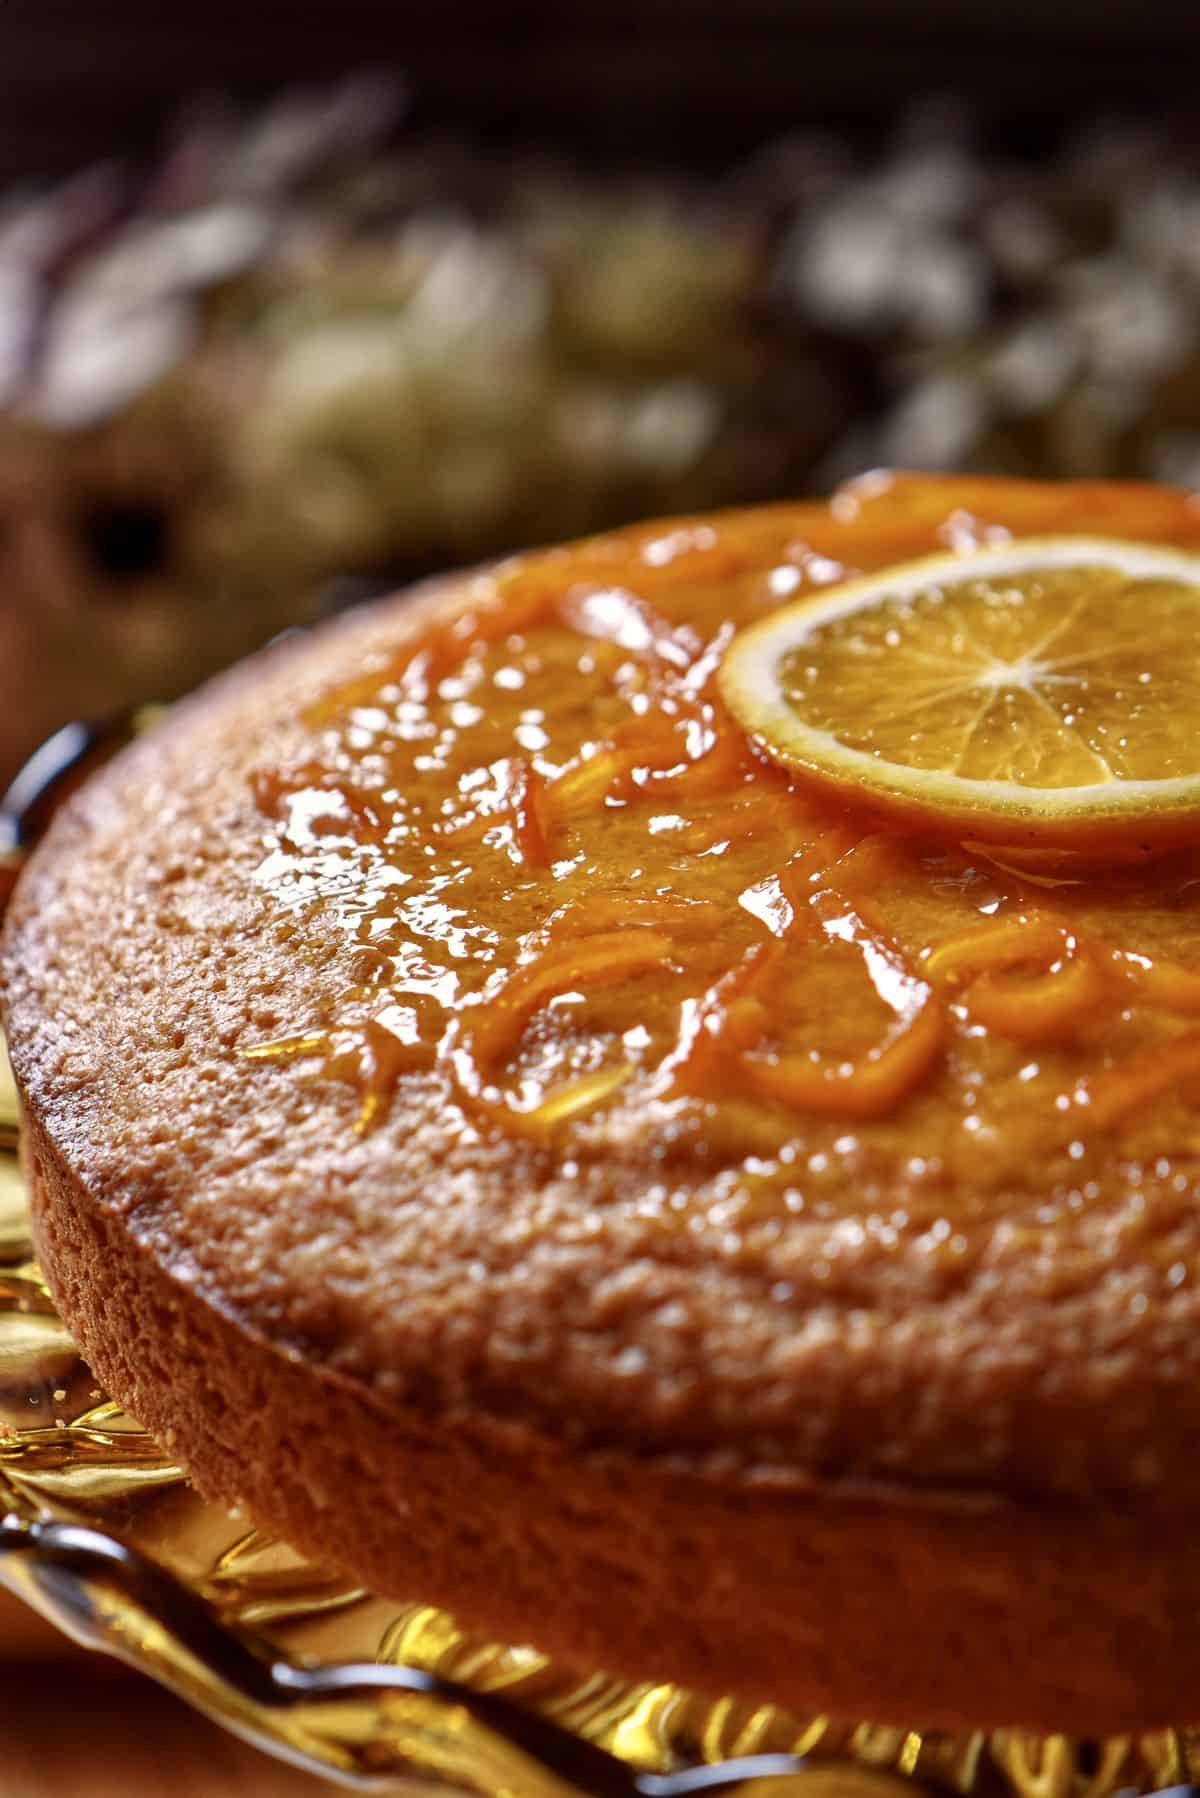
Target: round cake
(536, 1153)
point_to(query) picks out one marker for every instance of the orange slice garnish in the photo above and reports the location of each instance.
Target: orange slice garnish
(1040, 693)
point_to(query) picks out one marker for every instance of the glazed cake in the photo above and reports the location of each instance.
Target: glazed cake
(534, 1152)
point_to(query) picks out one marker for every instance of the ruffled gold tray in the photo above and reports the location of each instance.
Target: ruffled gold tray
(101, 1533)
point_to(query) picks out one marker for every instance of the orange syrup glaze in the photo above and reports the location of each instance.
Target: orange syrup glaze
(587, 907)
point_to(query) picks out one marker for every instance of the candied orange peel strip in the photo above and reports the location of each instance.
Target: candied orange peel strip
(529, 814)
(648, 755)
(726, 1020)
(714, 772)
(875, 1083)
(585, 785)
(525, 810)
(494, 1026)
(1042, 1007)
(287, 1048)
(655, 750)
(723, 1030)
(1009, 942)
(376, 1059)
(867, 1088)
(866, 865)
(680, 742)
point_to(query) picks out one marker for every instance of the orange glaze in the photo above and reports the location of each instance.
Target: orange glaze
(581, 900)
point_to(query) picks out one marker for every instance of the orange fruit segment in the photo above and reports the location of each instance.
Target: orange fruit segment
(1043, 692)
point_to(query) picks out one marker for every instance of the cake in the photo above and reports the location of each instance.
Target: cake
(403, 1150)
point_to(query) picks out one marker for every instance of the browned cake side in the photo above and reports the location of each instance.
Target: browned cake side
(916, 1443)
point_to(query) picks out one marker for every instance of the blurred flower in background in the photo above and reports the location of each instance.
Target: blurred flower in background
(304, 355)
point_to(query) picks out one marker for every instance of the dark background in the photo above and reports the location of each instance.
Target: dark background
(990, 262)
(695, 80)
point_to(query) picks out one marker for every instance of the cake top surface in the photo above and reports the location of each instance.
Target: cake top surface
(460, 1000)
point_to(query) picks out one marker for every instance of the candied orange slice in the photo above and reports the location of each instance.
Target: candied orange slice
(1043, 692)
